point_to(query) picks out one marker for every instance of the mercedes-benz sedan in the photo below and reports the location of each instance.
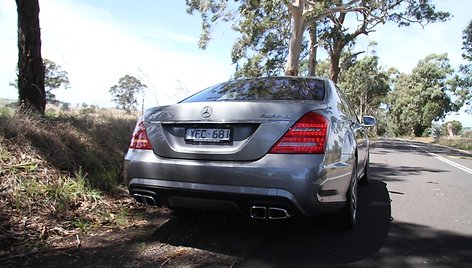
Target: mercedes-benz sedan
(270, 148)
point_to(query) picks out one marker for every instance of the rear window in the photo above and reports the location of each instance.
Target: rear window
(263, 89)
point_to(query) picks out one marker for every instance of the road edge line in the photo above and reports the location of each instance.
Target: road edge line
(440, 158)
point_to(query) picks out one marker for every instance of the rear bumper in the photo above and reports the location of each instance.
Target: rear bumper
(298, 183)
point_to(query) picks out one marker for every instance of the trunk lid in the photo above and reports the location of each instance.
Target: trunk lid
(243, 130)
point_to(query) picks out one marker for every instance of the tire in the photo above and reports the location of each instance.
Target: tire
(347, 217)
(364, 180)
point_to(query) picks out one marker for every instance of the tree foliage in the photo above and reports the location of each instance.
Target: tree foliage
(366, 84)
(273, 33)
(467, 42)
(464, 79)
(54, 78)
(422, 97)
(262, 48)
(124, 93)
(369, 14)
(451, 128)
(296, 15)
(32, 95)
(211, 11)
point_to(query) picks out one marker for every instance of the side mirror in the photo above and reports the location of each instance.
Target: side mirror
(368, 121)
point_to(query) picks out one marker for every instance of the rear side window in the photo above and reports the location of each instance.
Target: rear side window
(263, 89)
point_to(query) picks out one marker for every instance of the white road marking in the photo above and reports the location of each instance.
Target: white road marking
(452, 163)
(445, 160)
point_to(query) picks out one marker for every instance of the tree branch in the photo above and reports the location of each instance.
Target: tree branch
(341, 8)
(291, 7)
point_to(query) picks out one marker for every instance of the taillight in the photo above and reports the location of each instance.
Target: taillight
(306, 136)
(140, 139)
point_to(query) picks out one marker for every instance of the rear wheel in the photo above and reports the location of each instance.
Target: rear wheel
(348, 215)
(365, 178)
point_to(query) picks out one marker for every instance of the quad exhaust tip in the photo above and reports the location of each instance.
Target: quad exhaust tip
(256, 212)
(145, 199)
(271, 213)
(278, 214)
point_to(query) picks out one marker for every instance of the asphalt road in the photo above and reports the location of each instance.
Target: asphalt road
(416, 211)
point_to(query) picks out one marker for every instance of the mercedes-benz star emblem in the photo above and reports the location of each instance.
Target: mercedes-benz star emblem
(206, 112)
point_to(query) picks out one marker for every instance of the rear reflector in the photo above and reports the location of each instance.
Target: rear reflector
(306, 136)
(140, 139)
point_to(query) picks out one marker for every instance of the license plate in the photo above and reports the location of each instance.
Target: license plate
(208, 134)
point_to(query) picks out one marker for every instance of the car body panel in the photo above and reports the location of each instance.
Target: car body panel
(255, 126)
(275, 175)
(243, 173)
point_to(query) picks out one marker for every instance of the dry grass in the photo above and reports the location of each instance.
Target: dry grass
(462, 143)
(59, 176)
(459, 142)
(91, 144)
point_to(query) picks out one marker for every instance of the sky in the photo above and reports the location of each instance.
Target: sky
(99, 41)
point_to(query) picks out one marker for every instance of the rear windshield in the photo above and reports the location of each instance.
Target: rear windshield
(263, 89)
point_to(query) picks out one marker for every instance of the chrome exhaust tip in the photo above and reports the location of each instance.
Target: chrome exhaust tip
(145, 199)
(256, 212)
(278, 214)
(138, 198)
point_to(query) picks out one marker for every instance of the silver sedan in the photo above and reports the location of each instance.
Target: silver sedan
(270, 148)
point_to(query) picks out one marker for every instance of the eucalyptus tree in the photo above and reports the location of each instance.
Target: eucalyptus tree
(124, 93)
(464, 81)
(262, 48)
(32, 95)
(366, 84)
(274, 31)
(467, 42)
(422, 97)
(54, 78)
(451, 128)
(341, 31)
(282, 21)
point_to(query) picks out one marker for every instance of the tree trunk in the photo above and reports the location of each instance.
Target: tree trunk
(298, 27)
(338, 46)
(313, 50)
(366, 101)
(449, 129)
(360, 106)
(334, 65)
(30, 64)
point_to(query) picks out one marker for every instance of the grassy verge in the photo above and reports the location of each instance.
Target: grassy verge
(457, 142)
(462, 143)
(60, 175)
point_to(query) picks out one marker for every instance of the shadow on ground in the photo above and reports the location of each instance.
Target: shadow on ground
(319, 243)
(220, 240)
(393, 146)
(377, 241)
(390, 173)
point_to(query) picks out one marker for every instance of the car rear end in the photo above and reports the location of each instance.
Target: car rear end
(253, 147)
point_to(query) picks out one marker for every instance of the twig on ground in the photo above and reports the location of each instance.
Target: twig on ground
(165, 262)
(78, 241)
